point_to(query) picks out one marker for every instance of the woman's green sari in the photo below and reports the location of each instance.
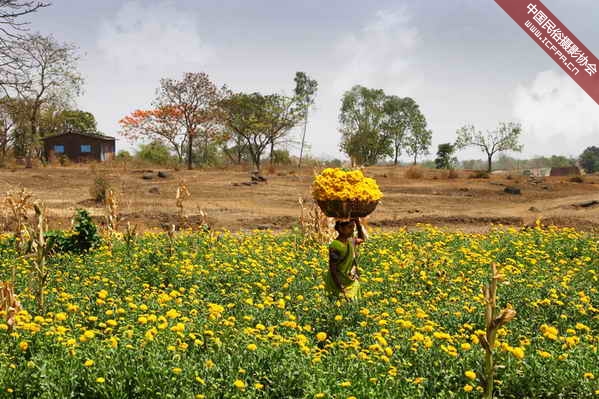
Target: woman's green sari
(344, 270)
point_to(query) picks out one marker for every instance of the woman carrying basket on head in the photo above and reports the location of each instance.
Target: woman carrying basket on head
(342, 278)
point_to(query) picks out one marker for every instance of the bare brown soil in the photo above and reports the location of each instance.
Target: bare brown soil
(459, 204)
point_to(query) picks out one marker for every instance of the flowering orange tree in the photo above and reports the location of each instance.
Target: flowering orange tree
(163, 124)
(183, 109)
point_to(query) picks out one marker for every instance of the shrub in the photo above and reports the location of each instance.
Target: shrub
(123, 156)
(155, 152)
(83, 236)
(414, 172)
(99, 188)
(281, 157)
(480, 174)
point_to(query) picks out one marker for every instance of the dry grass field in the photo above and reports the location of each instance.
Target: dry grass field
(461, 203)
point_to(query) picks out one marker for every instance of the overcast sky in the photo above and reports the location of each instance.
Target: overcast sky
(463, 61)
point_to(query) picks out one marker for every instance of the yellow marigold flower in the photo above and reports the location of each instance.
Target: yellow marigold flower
(345, 384)
(518, 353)
(418, 380)
(172, 314)
(544, 354)
(252, 347)
(320, 395)
(100, 380)
(471, 375)
(321, 336)
(60, 316)
(468, 388)
(239, 384)
(258, 385)
(589, 376)
(88, 363)
(177, 370)
(23, 345)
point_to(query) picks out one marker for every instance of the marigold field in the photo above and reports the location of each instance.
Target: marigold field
(227, 315)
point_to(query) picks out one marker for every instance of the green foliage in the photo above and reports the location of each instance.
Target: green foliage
(362, 119)
(155, 152)
(83, 236)
(504, 138)
(123, 155)
(589, 159)
(260, 121)
(153, 329)
(78, 121)
(445, 159)
(281, 157)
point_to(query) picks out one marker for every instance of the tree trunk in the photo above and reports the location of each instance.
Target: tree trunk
(205, 149)
(415, 157)
(299, 164)
(489, 157)
(189, 152)
(396, 156)
(272, 148)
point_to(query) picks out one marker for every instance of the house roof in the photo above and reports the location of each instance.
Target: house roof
(94, 135)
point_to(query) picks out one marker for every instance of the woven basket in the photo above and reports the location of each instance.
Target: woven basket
(347, 209)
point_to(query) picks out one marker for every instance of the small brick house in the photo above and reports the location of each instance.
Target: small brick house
(80, 146)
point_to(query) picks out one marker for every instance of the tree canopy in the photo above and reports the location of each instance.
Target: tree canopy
(504, 138)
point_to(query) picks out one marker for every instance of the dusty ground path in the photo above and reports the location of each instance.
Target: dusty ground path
(461, 204)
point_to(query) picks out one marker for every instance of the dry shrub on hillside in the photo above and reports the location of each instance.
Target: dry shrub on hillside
(479, 174)
(414, 172)
(99, 188)
(449, 174)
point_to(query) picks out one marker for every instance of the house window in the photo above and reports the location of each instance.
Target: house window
(86, 148)
(59, 149)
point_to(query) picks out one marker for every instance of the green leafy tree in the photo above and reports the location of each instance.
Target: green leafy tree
(589, 159)
(504, 138)
(78, 121)
(305, 91)
(418, 140)
(155, 152)
(445, 158)
(259, 120)
(362, 118)
(401, 117)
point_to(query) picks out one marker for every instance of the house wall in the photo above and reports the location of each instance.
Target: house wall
(72, 147)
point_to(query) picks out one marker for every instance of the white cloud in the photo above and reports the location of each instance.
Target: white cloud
(558, 117)
(151, 40)
(134, 49)
(379, 54)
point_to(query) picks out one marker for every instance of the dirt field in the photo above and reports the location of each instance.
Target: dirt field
(459, 204)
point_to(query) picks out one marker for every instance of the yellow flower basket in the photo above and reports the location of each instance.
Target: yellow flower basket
(345, 193)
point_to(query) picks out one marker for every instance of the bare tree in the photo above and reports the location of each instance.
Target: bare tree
(47, 74)
(12, 34)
